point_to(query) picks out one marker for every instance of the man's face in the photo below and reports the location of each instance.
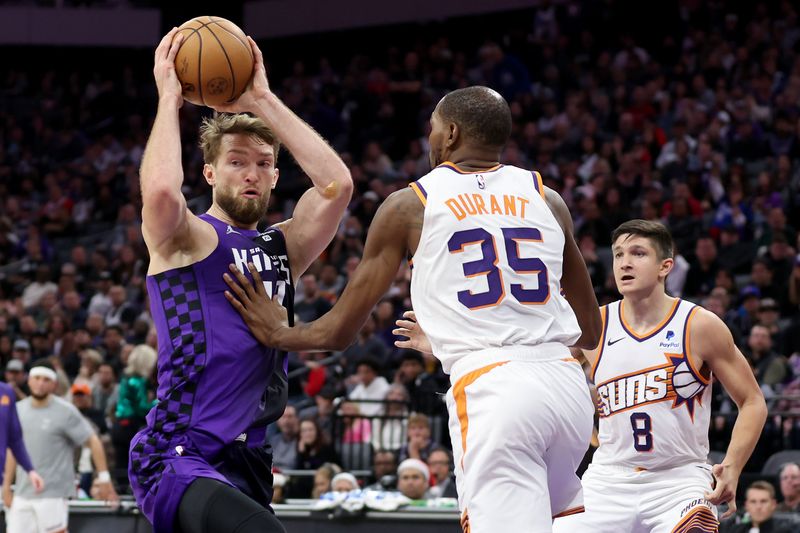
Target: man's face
(243, 177)
(637, 267)
(760, 505)
(411, 483)
(15, 376)
(790, 482)
(409, 370)
(384, 464)
(41, 386)
(81, 400)
(419, 432)
(759, 339)
(439, 464)
(288, 422)
(105, 375)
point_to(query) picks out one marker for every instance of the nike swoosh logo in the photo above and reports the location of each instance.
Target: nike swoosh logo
(610, 342)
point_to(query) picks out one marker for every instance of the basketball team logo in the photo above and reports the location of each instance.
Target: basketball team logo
(674, 381)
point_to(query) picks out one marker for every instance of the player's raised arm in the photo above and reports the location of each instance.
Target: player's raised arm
(164, 212)
(575, 278)
(319, 211)
(712, 342)
(399, 218)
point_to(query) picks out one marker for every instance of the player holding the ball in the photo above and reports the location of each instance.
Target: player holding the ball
(199, 465)
(652, 370)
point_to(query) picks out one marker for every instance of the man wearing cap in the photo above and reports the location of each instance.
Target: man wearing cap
(52, 429)
(21, 350)
(770, 368)
(413, 477)
(16, 379)
(11, 435)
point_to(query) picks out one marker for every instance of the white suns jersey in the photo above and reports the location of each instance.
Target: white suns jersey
(486, 278)
(654, 405)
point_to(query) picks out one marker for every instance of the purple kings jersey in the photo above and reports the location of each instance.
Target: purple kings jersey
(213, 375)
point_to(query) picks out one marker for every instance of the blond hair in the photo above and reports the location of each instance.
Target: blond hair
(141, 361)
(212, 130)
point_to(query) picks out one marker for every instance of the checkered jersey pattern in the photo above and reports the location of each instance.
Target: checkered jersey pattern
(183, 312)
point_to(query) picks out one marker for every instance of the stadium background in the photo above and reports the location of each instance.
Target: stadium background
(685, 112)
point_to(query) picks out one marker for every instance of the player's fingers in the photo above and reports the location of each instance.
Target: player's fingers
(401, 331)
(244, 283)
(174, 47)
(406, 324)
(163, 46)
(259, 285)
(235, 288)
(731, 509)
(235, 302)
(411, 315)
(403, 344)
(259, 57)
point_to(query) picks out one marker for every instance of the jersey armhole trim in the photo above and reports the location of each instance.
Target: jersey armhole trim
(538, 183)
(687, 348)
(604, 318)
(422, 194)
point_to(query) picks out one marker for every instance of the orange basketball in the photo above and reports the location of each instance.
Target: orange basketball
(214, 62)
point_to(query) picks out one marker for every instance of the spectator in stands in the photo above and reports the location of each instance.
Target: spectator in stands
(747, 314)
(419, 444)
(371, 387)
(323, 477)
(440, 464)
(284, 444)
(357, 430)
(322, 410)
(391, 433)
(100, 302)
(768, 315)
(82, 400)
(22, 352)
(703, 269)
(135, 399)
(384, 471)
(41, 285)
(413, 478)
(313, 305)
(313, 450)
(789, 477)
(770, 368)
(344, 482)
(760, 505)
(735, 256)
(424, 389)
(121, 313)
(16, 376)
(113, 341)
(105, 391)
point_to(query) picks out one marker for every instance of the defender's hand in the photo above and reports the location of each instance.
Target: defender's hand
(417, 340)
(264, 316)
(724, 489)
(257, 89)
(36, 480)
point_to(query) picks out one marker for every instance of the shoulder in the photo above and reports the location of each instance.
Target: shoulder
(708, 334)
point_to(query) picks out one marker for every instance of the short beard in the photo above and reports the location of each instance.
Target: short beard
(39, 397)
(243, 211)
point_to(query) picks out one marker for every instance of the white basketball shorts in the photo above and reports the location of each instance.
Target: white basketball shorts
(37, 515)
(519, 431)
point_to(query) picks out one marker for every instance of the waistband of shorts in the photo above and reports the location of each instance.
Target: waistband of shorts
(550, 351)
(630, 469)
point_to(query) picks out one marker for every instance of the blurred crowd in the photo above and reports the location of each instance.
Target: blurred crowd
(697, 126)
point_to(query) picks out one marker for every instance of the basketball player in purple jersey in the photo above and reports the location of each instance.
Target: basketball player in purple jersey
(190, 465)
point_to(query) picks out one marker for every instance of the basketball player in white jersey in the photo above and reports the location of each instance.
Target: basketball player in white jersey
(652, 371)
(501, 288)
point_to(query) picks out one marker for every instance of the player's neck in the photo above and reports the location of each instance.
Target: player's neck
(644, 312)
(220, 214)
(39, 403)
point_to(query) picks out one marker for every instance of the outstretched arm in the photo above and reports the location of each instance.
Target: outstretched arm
(164, 211)
(712, 342)
(319, 211)
(575, 279)
(398, 218)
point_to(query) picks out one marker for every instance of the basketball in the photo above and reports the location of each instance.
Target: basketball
(684, 381)
(215, 62)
